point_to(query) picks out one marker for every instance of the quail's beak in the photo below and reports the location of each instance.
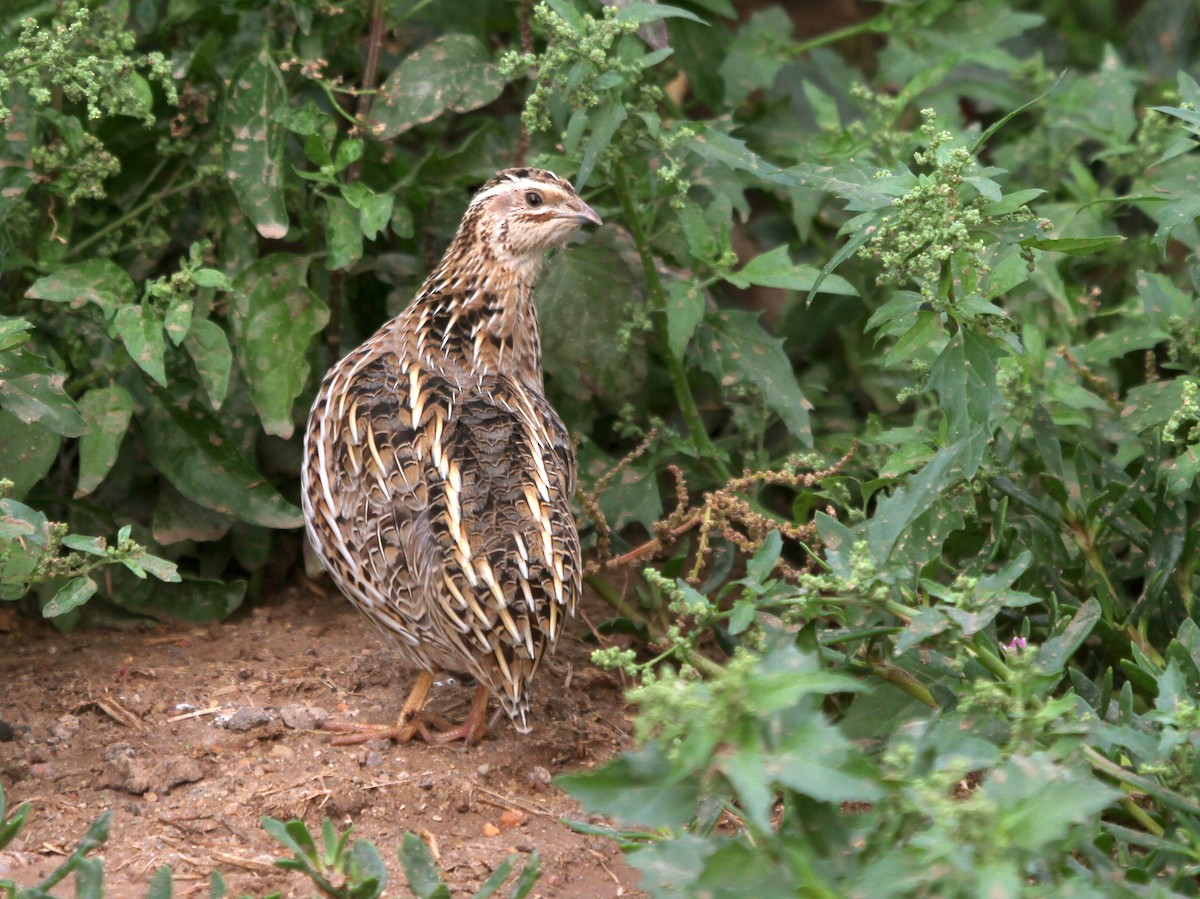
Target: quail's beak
(584, 214)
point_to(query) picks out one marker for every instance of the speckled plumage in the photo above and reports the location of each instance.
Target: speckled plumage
(438, 479)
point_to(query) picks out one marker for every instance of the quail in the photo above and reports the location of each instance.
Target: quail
(437, 477)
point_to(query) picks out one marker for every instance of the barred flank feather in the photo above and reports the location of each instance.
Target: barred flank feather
(438, 479)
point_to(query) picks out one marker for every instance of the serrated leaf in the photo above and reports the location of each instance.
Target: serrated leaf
(274, 317)
(209, 348)
(141, 330)
(74, 594)
(454, 72)
(716, 146)
(735, 349)
(190, 449)
(34, 392)
(776, 269)
(160, 884)
(252, 143)
(636, 787)
(107, 411)
(98, 281)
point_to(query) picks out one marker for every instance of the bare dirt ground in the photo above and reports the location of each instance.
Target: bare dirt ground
(190, 733)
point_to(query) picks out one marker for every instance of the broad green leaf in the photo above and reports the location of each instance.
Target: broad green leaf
(454, 72)
(776, 269)
(33, 392)
(584, 299)
(72, 595)
(420, 869)
(26, 452)
(177, 518)
(190, 449)
(757, 52)
(374, 210)
(107, 411)
(209, 348)
(1053, 655)
(178, 320)
(274, 316)
(736, 350)
(98, 281)
(899, 511)
(685, 310)
(252, 143)
(343, 234)
(1073, 246)
(160, 884)
(964, 377)
(717, 146)
(193, 600)
(14, 332)
(605, 123)
(642, 12)
(637, 788)
(141, 330)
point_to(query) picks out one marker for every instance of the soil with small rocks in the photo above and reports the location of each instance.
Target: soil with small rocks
(190, 734)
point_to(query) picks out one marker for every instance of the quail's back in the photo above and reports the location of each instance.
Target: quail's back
(438, 479)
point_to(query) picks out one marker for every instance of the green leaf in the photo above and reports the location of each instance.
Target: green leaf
(14, 332)
(1073, 246)
(252, 143)
(26, 452)
(577, 336)
(107, 411)
(98, 281)
(367, 874)
(274, 316)
(735, 349)
(374, 210)
(642, 12)
(209, 348)
(454, 72)
(160, 884)
(685, 310)
(717, 146)
(964, 377)
(178, 320)
(190, 449)
(604, 124)
(343, 234)
(141, 330)
(776, 269)
(638, 788)
(73, 594)
(33, 392)
(1053, 655)
(528, 877)
(420, 869)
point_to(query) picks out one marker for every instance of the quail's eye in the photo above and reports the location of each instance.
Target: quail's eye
(533, 198)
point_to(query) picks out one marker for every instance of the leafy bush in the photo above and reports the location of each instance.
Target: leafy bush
(923, 618)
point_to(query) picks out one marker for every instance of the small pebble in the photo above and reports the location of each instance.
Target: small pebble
(113, 750)
(490, 829)
(484, 770)
(372, 758)
(539, 777)
(248, 718)
(282, 752)
(427, 783)
(302, 717)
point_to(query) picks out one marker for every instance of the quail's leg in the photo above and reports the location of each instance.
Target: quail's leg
(470, 731)
(406, 726)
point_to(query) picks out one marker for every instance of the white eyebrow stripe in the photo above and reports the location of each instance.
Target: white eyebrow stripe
(515, 184)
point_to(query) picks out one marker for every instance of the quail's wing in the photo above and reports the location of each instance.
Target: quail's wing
(367, 493)
(501, 511)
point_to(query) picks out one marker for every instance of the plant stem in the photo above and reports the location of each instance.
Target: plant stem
(683, 392)
(119, 222)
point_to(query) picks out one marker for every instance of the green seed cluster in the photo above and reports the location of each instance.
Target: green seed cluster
(930, 223)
